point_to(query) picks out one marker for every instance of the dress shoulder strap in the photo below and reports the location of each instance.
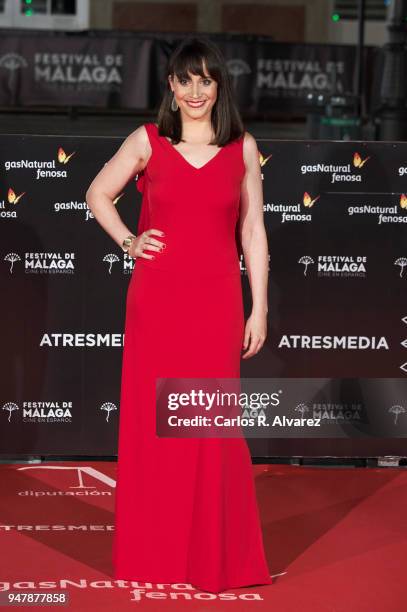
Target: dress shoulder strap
(142, 186)
(141, 176)
(151, 130)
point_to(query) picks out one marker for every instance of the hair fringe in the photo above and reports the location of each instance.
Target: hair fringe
(189, 56)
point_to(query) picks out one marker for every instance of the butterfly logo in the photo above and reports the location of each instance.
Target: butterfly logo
(308, 201)
(63, 158)
(263, 160)
(12, 197)
(358, 162)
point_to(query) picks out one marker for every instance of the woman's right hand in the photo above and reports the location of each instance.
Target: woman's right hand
(146, 241)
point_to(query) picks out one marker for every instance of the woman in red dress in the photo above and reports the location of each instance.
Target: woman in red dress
(186, 509)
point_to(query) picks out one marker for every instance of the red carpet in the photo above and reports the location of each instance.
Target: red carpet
(336, 541)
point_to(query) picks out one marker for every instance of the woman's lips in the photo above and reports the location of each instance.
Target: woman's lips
(195, 104)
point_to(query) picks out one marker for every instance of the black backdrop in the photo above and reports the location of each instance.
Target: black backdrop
(119, 70)
(336, 219)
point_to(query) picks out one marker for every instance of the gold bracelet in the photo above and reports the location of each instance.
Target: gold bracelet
(126, 244)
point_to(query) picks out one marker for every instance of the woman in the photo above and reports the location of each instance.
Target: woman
(186, 509)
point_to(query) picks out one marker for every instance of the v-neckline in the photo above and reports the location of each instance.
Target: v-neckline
(184, 158)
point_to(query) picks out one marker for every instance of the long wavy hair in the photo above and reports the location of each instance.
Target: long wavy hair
(189, 56)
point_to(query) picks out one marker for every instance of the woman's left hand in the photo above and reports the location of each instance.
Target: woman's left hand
(255, 334)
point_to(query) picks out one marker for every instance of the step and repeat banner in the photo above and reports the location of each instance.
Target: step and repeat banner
(336, 218)
(127, 70)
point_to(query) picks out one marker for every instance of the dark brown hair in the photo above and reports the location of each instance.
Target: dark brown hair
(189, 56)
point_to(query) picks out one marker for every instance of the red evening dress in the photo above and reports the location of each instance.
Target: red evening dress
(186, 508)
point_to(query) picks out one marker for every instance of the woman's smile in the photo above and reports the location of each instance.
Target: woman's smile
(195, 103)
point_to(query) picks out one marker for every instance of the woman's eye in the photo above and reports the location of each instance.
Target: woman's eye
(184, 81)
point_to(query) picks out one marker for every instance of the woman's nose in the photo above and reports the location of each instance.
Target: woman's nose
(196, 90)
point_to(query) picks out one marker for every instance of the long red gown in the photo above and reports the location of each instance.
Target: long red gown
(186, 509)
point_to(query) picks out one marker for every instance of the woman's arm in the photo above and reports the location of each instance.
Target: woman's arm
(254, 245)
(129, 160)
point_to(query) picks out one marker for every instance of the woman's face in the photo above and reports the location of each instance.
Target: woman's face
(196, 95)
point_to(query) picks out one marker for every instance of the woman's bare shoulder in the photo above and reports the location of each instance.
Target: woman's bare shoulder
(139, 134)
(249, 140)
(138, 143)
(250, 150)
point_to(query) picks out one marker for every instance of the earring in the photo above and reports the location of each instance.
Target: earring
(174, 105)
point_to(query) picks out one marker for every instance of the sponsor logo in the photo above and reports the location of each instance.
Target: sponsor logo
(339, 172)
(14, 199)
(75, 205)
(86, 481)
(78, 71)
(43, 263)
(237, 68)
(48, 411)
(108, 407)
(127, 265)
(308, 201)
(336, 265)
(79, 340)
(302, 341)
(385, 214)
(402, 263)
(293, 212)
(332, 413)
(263, 161)
(298, 78)
(12, 62)
(397, 409)
(44, 169)
(40, 412)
